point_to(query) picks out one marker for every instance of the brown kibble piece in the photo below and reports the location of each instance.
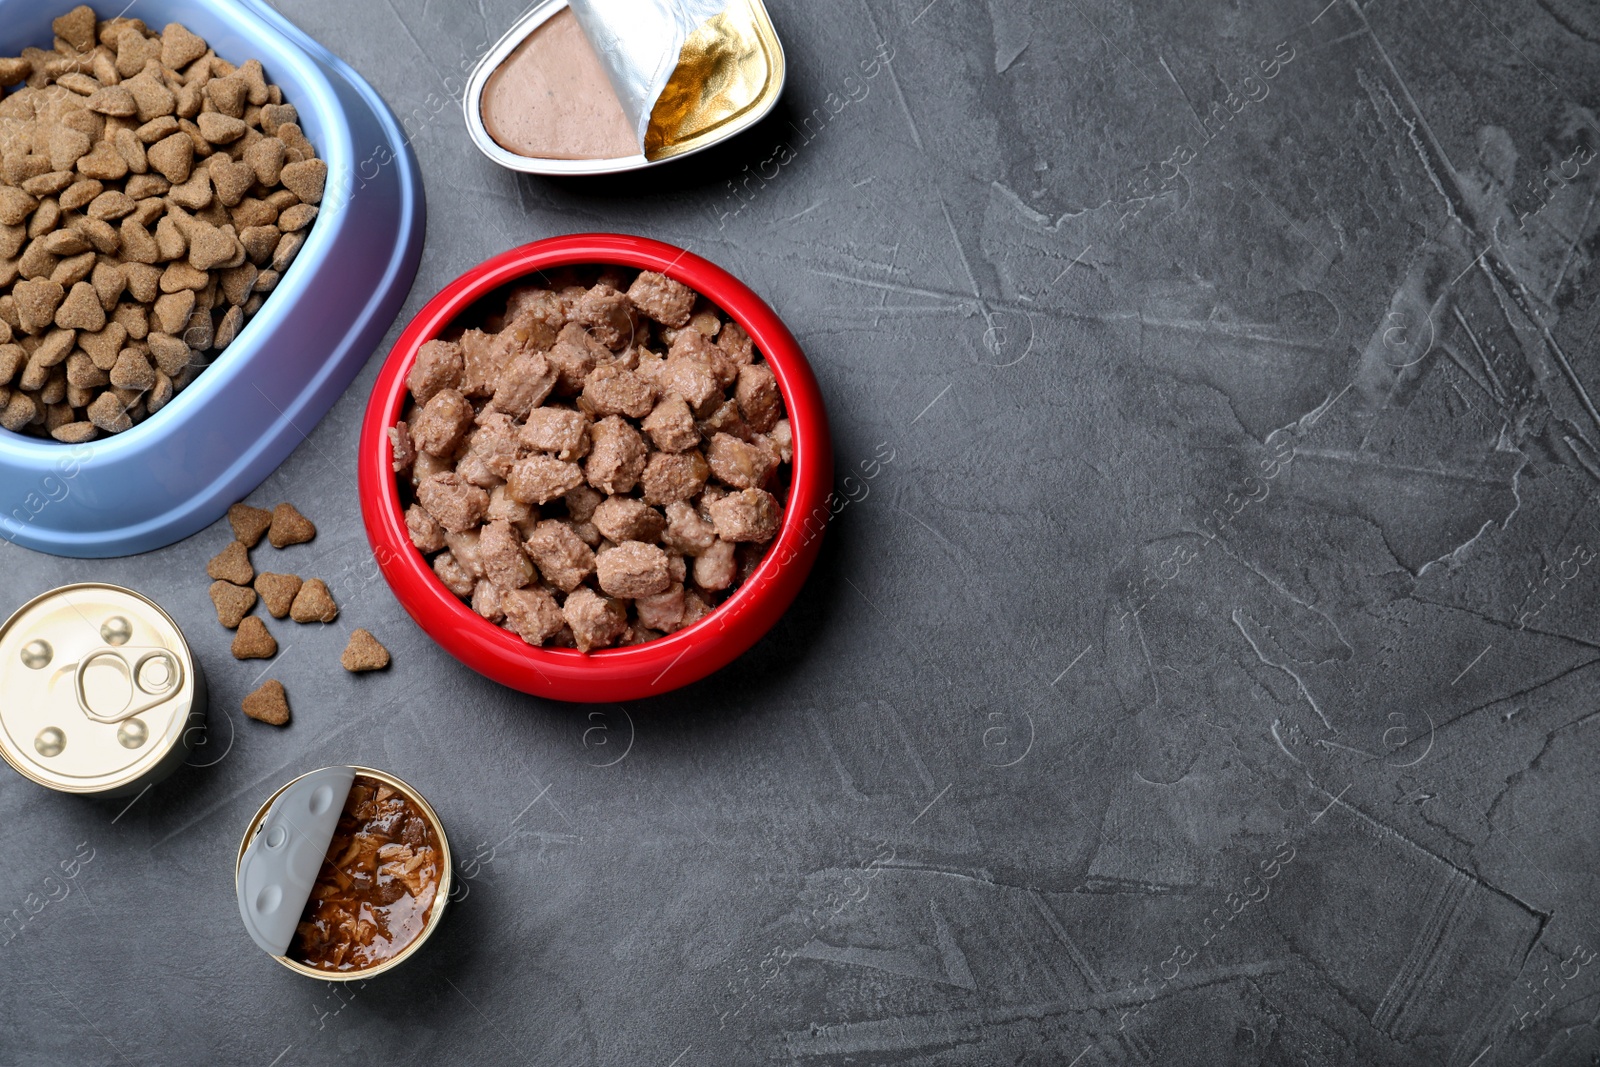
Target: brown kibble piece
(364, 653)
(268, 704)
(232, 564)
(248, 523)
(81, 310)
(180, 47)
(278, 592)
(232, 602)
(253, 641)
(314, 603)
(305, 179)
(223, 129)
(173, 156)
(76, 27)
(37, 300)
(289, 527)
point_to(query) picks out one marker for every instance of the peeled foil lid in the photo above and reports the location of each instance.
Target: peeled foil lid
(639, 43)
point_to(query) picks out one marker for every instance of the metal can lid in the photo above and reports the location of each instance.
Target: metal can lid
(96, 685)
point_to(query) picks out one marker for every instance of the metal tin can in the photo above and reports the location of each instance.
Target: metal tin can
(99, 692)
(688, 74)
(441, 895)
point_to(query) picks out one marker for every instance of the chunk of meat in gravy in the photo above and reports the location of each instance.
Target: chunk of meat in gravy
(757, 394)
(504, 562)
(563, 431)
(686, 531)
(715, 569)
(610, 390)
(617, 457)
(455, 503)
(561, 556)
(532, 613)
(607, 315)
(442, 423)
(741, 464)
(438, 366)
(748, 515)
(596, 621)
(671, 425)
(573, 356)
(540, 479)
(661, 611)
(523, 384)
(623, 518)
(423, 529)
(668, 302)
(632, 569)
(669, 477)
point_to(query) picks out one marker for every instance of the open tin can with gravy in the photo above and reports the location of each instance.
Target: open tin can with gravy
(343, 874)
(99, 693)
(598, 87)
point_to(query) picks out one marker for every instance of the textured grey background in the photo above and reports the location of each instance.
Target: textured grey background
(1208, 677)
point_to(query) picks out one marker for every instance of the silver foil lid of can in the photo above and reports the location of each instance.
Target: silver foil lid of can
(96, 687)
(279, 867)
(639, 44)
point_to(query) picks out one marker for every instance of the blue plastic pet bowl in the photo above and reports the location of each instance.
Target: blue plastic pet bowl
(180, 469)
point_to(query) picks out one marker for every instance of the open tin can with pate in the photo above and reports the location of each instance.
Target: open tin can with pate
(343, 874)
(600, 87)
(99, 693)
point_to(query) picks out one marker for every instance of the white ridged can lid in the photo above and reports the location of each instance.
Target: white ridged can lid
(96, 688)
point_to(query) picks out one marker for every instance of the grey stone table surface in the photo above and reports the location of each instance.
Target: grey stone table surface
(1200, 669)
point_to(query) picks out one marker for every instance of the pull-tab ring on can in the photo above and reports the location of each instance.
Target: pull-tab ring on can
(157, 674)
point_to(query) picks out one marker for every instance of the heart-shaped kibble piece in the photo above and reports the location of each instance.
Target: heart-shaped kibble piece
(268, 704)
(248, 523)
(253, 641)
(233, 602)
(364, 653)
(289, 527)
(231, 180)
(314, 603)
(232, 564)
(278, 592)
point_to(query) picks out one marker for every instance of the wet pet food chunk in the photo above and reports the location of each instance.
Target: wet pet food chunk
(600, 465)
(364, 653)
(268, 704)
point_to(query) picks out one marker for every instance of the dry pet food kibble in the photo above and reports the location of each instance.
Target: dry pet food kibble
(253, 641)
(278, 592)
(233, 603)
(364, 653)
(249, 524)
(151, 196)
(599, 465)
(313, 603)
(289, 527)
(268, 704)
(232, 564)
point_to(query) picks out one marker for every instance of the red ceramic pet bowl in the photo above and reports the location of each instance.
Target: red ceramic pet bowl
(637, 670)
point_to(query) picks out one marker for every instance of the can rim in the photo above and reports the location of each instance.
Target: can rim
(25, 768)
(441, 895)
